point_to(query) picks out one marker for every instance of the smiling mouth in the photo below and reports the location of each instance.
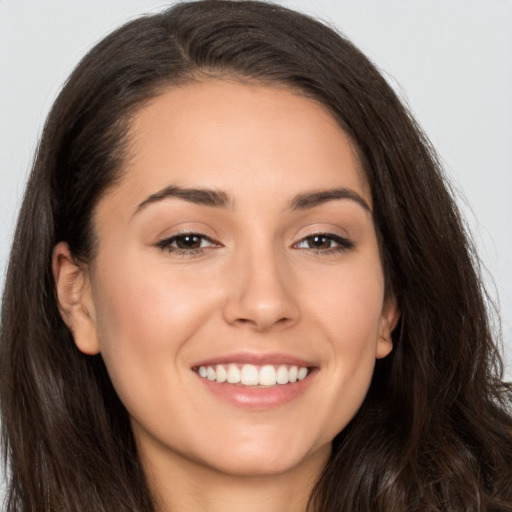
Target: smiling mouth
(252, 375)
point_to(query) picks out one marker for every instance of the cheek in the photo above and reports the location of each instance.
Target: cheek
(146, 313)
(145, 301)
(142, 318)
(349, 315)
(348, 303)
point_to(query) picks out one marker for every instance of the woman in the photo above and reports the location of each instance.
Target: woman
(238, 281)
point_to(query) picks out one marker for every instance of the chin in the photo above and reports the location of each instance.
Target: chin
(264, 462)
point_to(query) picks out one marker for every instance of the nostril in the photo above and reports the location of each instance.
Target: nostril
(243, 321)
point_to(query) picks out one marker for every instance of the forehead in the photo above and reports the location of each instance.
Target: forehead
(241, 138)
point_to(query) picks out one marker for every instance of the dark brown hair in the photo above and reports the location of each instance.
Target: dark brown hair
(432, 434)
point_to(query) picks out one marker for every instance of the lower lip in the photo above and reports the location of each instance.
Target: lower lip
(258, 398)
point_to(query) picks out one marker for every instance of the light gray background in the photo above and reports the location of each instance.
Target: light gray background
(451, 61)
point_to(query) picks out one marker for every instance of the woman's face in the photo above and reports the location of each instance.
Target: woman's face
(239, 244)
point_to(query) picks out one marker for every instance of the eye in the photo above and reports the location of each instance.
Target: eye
(187, 243)
(324, 242)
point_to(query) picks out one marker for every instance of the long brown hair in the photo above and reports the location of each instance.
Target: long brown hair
(432, 434)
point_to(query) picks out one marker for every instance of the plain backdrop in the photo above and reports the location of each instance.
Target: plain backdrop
(450, 60)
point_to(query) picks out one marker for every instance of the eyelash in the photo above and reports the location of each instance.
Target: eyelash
(167, 244)
(341, 243)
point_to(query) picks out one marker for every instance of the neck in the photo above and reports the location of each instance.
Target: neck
(187, 487)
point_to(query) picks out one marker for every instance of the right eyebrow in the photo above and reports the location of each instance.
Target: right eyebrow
(202, 196)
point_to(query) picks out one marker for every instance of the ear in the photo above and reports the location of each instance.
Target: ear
(388, 321)
(75, 300)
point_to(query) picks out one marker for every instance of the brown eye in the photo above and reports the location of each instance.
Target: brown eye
(188, 241)
(319, 242)
(325, 243)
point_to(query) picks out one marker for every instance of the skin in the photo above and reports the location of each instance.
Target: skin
(258, 285)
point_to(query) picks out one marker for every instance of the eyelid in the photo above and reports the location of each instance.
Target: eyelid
(166, 242)
(343, 241)
(185, 228)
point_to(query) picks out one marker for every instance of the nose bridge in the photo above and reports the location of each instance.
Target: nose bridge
(261, 291)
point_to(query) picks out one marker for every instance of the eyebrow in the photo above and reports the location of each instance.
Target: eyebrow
(205, 197)
(219, 199)
(312, 199)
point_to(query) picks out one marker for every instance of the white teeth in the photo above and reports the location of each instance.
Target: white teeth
(267, 376)
(222, 374)
(233, 374)
(251, 375)
(302, 373)
(283, 375)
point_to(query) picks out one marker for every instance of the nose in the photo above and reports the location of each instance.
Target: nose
(261, 292)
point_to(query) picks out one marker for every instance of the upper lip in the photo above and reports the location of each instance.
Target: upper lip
(257, 359)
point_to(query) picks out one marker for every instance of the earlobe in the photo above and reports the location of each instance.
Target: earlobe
(388, 321)
(76, 306)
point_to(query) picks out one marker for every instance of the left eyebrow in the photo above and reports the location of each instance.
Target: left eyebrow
(312, 199)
